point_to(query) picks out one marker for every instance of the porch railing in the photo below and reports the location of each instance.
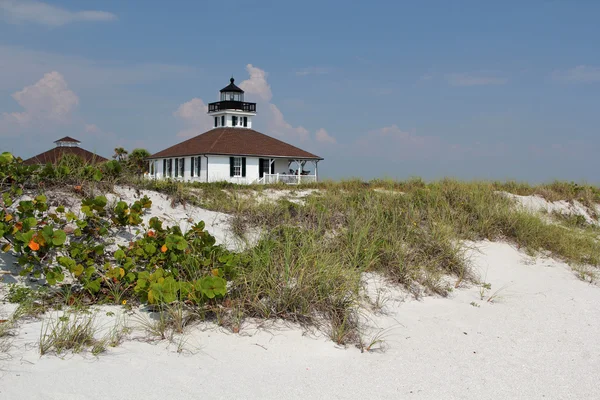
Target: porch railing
(289, 179)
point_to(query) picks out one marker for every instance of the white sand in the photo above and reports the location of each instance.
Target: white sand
(538, 339)
(537, 203)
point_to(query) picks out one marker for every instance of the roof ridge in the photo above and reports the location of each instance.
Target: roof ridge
(216, 140)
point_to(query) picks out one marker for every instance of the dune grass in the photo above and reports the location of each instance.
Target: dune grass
(68, 332)
(308, 263)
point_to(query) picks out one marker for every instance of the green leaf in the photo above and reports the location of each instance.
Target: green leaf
(212, 286)
(29, 223)
(100, 201)
(89, 271)
(119, 255)
(51, 278)
(66, 262)
(77, 270)
(6, 158)
(41, 198)
(87, 211)
(93, 286)
(59, 237)
(150, 249)
(97, 176)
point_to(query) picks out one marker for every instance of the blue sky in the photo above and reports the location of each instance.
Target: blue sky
(467, 89)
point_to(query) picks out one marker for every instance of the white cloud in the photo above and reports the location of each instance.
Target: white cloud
(257, 83)
(275, 121)
(313, 71)
(196, 120)
(474, 80)
(579, 74)
(324, 137)
(194, 116)
(277, 125)
(49, 107)
(48, 100)
(21, 11)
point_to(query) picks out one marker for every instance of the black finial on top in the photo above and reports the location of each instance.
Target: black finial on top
(231, 80)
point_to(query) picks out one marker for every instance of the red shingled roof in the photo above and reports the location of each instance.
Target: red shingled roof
(54, 155)
(235, 141)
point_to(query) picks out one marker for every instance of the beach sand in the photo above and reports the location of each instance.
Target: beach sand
(537, 339)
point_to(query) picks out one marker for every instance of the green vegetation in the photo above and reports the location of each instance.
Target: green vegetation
(306, 267)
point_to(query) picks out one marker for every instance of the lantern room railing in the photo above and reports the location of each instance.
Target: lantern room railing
(232, 105)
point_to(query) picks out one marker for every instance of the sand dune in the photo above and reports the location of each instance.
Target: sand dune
(538, 338)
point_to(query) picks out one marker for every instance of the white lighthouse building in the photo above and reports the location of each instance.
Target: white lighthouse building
(234, 152)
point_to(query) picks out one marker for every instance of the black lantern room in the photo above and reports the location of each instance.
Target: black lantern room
(232, 98)
(231, 92)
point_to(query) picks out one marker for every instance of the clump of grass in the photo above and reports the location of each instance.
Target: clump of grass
(113, 337)
(7, 331)
(68, 332)
(171, 319)
(292, 276)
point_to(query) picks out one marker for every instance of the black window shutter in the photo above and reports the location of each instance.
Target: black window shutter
(176, 167)
(191, 166)
(245, 121)
(222, 120)
(272, 167)
(231, 166)
(216, 121)
(182, 169)
(261, 170)
(164, 167)
(198, 165)
(243, 166)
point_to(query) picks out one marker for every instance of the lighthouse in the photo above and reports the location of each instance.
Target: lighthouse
(231, 111)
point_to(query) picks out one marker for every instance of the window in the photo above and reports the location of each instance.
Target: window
(170, 167)
(181, 167)
(245, 122)
(237, 166)
(198, 164)
(176, 167)
(222, 120)
(234, 120)
(216, 121)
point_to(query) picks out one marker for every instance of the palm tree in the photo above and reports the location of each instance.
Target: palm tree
(120, 154)
(137, 160)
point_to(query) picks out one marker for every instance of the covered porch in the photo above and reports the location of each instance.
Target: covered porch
(298, 172)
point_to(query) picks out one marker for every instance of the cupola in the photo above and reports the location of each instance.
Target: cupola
(67, 142)
(231, 110)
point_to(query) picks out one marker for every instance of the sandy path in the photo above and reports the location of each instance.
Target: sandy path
(539, 339)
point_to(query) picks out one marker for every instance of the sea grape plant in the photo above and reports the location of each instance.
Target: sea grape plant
(162, 264)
